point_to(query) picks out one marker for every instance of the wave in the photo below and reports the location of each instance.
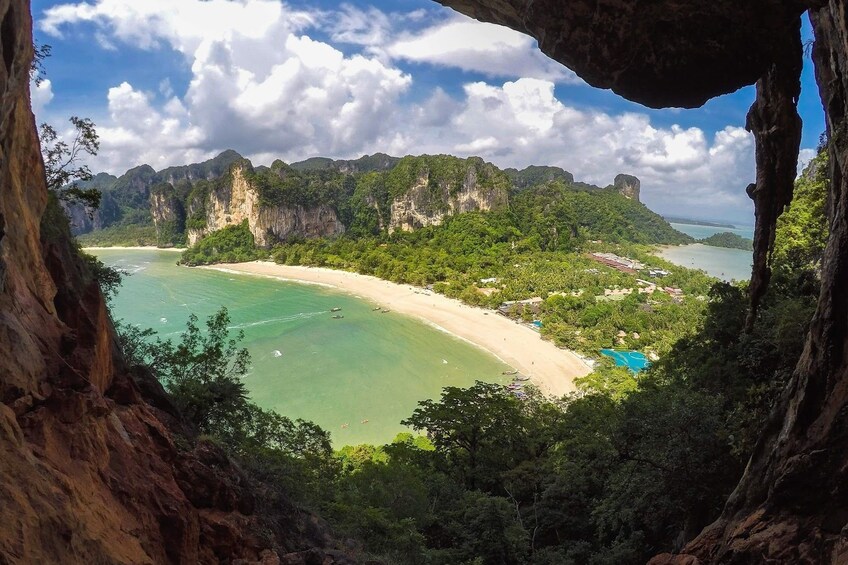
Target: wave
(282, 320)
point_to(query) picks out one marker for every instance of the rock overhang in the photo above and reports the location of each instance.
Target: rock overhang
(659, 53)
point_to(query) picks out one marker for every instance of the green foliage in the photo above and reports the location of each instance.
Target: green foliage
(120, 236)
(233, 244)
(609, 380)
(535, 175)
(729, 240)
(557, 214)
(62, 158)
(802, 229)
(108, 278)
(203, 374)
(282, 185)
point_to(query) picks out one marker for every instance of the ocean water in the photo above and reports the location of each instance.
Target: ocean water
(720, 262)
(700, 232)
(305, 364)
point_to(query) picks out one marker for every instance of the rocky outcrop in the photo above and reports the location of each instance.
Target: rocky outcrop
(430, 200)
(661, 53)
(207, 170)
(169, 215)
(535, 175)
(235, 200)
(628, 186)
(91, 468)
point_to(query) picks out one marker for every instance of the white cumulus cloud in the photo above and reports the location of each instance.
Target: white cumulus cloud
(492, 50)
(521, 122)
(258, 83)
(261, 84)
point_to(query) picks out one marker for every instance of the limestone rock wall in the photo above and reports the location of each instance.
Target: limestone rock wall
(237, 201)
(428, 204)
(628, 185)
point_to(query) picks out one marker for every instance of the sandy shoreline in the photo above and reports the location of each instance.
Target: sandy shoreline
(550, 368)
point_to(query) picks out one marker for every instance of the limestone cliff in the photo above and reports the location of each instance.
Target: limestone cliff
(427, 189)
(628, 185)
(169, 215)
(236, 199)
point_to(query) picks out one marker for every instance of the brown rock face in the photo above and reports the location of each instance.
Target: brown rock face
(89, 470)
(791, 505)
(660, 53)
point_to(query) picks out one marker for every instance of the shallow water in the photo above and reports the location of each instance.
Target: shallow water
(720, 262)
(365, 366)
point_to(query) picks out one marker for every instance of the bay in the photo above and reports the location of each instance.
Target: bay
(720, 262)
(356, 377)
(700, 232)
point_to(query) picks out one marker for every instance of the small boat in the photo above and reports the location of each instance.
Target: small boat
(278, 353)
(385, 311)
(364, 421)
(338, 317)
(336, 309)
(522, 378)
(510, 373)
(377, 308)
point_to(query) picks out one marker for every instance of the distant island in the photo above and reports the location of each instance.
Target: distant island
(729, 240)
(691, 222)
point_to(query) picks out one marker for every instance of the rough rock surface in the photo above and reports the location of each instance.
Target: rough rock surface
(659, 53)
(90, 471)
(427, 205)
(628, 185)
(237, 201)
(168, 215)
(791, 505)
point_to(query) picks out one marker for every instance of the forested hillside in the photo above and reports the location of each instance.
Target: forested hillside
(365, 197)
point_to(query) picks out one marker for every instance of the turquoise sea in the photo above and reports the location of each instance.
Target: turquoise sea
(720, 262)
(357, 377)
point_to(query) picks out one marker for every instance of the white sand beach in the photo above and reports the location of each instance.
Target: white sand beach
(550, 368)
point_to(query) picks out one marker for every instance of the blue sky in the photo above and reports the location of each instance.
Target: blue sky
(177, 81)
